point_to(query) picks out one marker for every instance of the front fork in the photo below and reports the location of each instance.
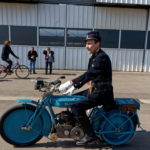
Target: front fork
(30, 122)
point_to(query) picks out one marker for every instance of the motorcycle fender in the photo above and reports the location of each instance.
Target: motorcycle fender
(47, 123)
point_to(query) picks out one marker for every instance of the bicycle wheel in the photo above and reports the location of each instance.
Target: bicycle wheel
(22, 72)
(3, 72)
(119, 126)
(12, 126)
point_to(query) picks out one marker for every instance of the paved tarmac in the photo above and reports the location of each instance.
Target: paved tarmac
(126, 84)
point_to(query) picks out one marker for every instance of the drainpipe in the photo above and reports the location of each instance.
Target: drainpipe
(65, 39)
(38, 35)
(146, 38)
(93, 17)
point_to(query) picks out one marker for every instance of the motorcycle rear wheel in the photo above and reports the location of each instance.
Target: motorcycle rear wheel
(13, 122)
(119, 123)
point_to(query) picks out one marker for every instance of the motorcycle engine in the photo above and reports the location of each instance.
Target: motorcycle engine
(67, 127)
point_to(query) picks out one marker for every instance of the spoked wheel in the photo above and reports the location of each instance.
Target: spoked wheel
(3, 72)
(22, 72)
(13, 129)
(120, 129)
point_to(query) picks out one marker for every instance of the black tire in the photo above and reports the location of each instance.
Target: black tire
(11, 123)
(3, 72)
(22, 72)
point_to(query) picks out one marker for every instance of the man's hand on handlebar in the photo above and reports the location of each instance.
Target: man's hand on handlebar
(69, 91)
(67, 88)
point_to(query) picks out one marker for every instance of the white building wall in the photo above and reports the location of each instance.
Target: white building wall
(146, 67)
(134, 2)
(126, 59)
(50, 15)
(77, 58)
(120, 18)
(22, 52)
(147, 61)
(18, 14)
(80, 16)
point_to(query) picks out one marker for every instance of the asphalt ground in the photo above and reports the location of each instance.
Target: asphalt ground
(126, 84)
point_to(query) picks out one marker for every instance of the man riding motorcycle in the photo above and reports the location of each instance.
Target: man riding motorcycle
(100, 74)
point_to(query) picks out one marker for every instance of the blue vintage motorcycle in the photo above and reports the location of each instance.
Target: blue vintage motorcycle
(26, 124)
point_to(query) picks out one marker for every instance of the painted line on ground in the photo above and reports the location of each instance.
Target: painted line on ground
(13, 98)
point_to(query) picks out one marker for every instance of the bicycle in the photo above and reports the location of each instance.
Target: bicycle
(21, 71)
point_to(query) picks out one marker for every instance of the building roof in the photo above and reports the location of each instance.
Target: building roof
(125, 2)
(115, 3)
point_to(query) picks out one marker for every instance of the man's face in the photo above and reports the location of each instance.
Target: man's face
(92, 46)
(9, 43)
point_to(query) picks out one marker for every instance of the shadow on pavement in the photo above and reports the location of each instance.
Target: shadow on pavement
(5, 80)
(140, 141)
(65, 144)
(72, 74)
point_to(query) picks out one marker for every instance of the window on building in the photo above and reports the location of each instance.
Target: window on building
(132, 39)
(21, 35)
(52, 37)
(4, 33)
(110, 38)
(76, 37)
(148, 40)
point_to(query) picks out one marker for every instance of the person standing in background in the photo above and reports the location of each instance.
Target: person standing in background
(49, 60)
(32, 55)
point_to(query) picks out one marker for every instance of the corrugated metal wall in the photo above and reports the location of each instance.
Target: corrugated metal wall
(80, 16)
(51, 15)
(120, 18)
(77, 58)
(125, 59)
(146, 67)
(123, 19)
(18, 14)
(22, 52)
(90, 17)
(140, 2)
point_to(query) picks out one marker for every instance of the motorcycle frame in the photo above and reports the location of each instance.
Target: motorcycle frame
(49, 116)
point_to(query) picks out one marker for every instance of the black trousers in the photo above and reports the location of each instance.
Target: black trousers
(96, 98)
(9, 64)
(48, 65)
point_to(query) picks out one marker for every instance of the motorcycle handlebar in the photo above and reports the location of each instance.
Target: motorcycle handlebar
(40, 83)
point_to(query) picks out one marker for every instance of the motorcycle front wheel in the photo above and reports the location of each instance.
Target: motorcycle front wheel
(13, 129)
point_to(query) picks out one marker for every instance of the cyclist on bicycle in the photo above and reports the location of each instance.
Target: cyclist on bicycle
(5, 55)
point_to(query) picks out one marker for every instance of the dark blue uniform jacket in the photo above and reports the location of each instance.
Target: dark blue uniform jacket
(99, 70)
(100, 74)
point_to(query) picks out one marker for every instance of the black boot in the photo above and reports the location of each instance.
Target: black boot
(89, 137)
